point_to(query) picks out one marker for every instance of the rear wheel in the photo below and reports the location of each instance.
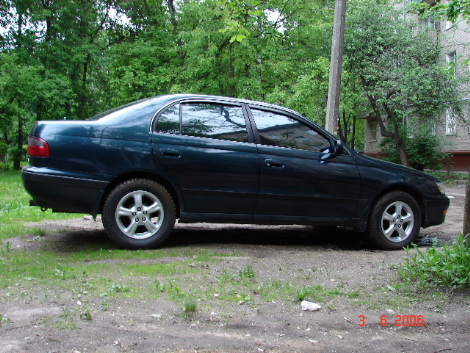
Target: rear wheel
(139, 214)
(395, 221)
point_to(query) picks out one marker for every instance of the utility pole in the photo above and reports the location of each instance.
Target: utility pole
(337, 48)
(466, 216)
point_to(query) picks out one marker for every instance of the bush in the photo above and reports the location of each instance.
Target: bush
(423, 148)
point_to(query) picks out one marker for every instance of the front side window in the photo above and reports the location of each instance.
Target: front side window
(283, 131)
(212, 120)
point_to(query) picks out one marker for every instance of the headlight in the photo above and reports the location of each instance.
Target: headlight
(441, 188)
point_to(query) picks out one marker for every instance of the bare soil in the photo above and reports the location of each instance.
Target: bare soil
(326, 257)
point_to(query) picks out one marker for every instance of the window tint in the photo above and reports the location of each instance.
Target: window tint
(282, 131)
(169, 121)
(219, 121)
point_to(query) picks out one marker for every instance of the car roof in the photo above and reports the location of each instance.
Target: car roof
(188, 96)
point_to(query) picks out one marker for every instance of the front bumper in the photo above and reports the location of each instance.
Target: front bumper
(436, 210)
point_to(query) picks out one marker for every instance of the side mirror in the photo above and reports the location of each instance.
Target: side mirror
(338, 147)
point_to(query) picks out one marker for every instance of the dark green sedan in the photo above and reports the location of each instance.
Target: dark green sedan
(203, 158)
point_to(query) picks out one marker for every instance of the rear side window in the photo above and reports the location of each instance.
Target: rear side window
(212, 120)
(283, 131)
(169, 121)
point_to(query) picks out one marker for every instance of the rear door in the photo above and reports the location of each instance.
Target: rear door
(206, 149)
(300, 180)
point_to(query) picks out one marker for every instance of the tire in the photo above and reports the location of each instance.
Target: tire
(139, 214)
(394, 222)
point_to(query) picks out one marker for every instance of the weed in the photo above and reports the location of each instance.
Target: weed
(160, 286)
(119, 288)
(59, 273)
(40, 231)
(190, 307)
(86, 316)
(8, 246)
(247, 273)
(354, 294)
(448, 265)
(302, 293)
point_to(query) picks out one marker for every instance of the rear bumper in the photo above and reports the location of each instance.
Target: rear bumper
(62, 191)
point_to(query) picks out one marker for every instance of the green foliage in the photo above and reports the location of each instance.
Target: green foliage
(447, 266)
(398, 70)
(424, 151)
(450, 10)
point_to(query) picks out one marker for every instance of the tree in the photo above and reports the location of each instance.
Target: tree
(398, 70)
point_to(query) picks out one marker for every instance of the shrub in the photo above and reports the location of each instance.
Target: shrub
(423, 148)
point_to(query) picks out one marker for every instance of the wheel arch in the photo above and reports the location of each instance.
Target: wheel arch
(413, 192)
(143, 175)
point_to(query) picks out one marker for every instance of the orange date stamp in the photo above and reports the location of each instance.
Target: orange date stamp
(397, 321)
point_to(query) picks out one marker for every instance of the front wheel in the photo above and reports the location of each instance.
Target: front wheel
(395, 221)
(139, 214)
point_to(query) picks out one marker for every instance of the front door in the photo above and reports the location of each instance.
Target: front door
(300, 180)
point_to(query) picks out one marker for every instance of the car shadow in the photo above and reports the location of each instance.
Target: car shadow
(288, 236)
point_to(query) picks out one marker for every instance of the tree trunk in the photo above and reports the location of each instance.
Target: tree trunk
(401, 150)
(18, 152)
(466, 212)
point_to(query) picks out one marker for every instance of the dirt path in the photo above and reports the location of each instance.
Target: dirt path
(37, 321)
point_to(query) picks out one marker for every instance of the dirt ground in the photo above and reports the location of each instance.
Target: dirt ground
(220, 326)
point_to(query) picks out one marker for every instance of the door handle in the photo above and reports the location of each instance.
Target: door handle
(273, 163)
(166, 152)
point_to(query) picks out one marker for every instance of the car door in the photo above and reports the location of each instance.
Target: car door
(300, 179)
(206, 150)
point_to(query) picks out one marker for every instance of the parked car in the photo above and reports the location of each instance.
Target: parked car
(201, 158)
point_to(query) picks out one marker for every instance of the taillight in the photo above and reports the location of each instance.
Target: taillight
(38, 147)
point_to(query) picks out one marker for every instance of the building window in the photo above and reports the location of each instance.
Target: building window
(432, 23)
(451, 122)
(451, 59)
